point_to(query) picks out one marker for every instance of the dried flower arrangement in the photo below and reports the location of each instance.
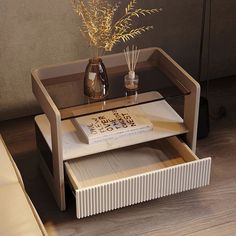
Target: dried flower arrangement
(98, 25)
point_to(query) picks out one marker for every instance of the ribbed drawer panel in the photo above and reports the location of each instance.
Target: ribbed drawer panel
(152, 185)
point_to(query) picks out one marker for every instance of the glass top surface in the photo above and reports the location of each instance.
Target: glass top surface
(67, 92)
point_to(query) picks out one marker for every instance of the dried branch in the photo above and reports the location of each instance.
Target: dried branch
(97, 18)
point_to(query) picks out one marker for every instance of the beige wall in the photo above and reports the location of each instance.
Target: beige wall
(35, 33)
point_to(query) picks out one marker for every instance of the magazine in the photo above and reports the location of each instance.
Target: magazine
(111, 124)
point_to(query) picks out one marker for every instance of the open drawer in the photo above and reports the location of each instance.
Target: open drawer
(122, 177)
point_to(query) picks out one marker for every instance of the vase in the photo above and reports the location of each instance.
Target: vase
(95, 80)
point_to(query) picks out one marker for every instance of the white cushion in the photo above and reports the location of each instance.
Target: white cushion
(17, 214)
(7, 170)
(16, 217)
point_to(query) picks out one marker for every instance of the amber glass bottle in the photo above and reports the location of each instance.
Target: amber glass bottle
(95, 80)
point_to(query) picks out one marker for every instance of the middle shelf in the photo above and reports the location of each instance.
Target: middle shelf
(166, 123)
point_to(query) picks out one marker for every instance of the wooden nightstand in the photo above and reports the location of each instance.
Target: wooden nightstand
(115, 173)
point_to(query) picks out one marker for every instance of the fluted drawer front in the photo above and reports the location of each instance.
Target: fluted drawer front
(127, 176)
(136, 189)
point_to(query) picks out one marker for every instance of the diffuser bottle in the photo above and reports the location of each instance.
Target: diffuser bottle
(131, 81)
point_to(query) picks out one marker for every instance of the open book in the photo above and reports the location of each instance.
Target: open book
(111, 124)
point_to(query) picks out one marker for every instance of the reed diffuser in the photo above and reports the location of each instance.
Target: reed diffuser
(131, 79)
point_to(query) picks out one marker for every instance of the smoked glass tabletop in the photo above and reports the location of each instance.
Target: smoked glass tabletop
(67, 92)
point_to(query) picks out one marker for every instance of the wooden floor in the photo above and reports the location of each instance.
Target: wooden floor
(207, 211)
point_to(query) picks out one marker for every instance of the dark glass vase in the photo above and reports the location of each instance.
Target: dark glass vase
(95, 80)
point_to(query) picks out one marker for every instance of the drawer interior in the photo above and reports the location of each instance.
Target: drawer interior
(131, 161)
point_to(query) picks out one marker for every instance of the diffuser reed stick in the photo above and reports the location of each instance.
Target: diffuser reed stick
(131, 57)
